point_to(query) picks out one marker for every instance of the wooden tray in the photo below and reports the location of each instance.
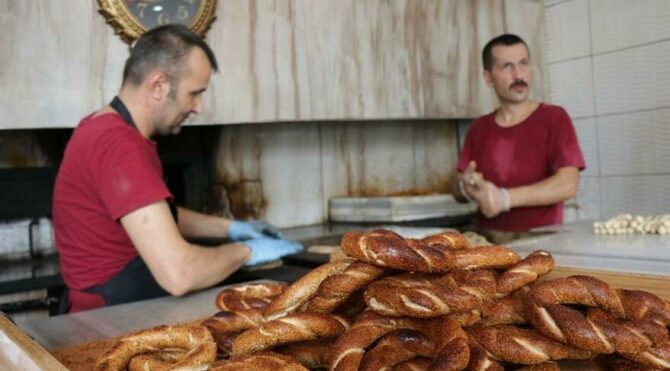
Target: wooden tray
(655, 284)
(18, 351)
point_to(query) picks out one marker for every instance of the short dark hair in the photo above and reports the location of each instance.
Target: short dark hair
(163, 47)
(505, 39)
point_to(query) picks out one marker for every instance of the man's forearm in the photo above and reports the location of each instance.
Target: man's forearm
(179, 266)
(557, 188)
(205, 266)
(198, 225)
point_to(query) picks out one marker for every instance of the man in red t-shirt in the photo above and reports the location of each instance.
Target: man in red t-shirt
(520, 162)
(118, 234)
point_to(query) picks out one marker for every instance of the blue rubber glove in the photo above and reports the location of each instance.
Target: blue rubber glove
(264, 250)
(239, 230)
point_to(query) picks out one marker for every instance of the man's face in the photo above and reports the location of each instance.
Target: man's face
(511, 74)
(185, 96)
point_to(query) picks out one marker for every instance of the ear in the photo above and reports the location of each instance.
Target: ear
(487, 78)
(158, 84)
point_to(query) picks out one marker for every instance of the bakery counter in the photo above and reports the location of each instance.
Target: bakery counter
(575, 245)
(103, 323)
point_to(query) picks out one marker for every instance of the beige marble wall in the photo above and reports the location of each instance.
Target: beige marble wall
(287, 172)
(281, 60)
(286, 62)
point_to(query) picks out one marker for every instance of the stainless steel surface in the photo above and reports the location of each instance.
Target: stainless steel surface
(82, 327)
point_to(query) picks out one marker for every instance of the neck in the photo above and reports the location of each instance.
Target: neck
(139, 110)
(510, 114)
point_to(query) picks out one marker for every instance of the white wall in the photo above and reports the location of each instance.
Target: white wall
(608, 64)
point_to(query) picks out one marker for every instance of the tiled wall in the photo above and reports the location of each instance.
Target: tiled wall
(608, 66)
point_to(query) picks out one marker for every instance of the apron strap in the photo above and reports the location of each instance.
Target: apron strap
(133, 283)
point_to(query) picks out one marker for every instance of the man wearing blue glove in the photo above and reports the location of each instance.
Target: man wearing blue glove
(118, 234)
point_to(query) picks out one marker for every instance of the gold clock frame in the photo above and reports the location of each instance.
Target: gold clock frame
(129, 29)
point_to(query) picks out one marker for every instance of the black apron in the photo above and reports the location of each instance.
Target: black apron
(135, 281)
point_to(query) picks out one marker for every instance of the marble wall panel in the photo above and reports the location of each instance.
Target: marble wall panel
(435, 155)
(572, 87)
(51, 63)
(368, 159)
(632, 79)
(274, 168)
(620, 24)
(281, 60)
(568, 33)
(549, 3)
(286, 173)
(635, 143)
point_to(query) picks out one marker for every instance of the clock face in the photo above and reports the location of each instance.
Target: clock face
(152, 13)
(131, 18)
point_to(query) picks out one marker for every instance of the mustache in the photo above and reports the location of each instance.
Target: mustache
(518, 83)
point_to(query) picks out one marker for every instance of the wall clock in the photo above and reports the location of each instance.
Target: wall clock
(131, 18)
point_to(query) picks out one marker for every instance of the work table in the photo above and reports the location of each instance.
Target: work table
(575, 245)
(70, 329)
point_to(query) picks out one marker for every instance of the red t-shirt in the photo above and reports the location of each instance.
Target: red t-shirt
(108, 171)
(523, 154)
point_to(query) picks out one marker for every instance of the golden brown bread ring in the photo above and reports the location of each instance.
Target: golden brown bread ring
(225, 321)
(592, 292)
(656, 357)
(196, 339)
(523, 346)
(508, 310)
(595, 333)
(451, 240)
(289, 329)
(468, 318)
(414, 364)
(350, 348)
(395, 347)
(613, 362)
(224, 343)
(313, 354)
(337, 288)
(303, 289)
(480, 359)
(259, 361)
(163, 359)
(570, 326)
(524, 272)
(546, 366)
(250, 296)
(427, 296)
(653, 332)
(388, 249)
(485, 257)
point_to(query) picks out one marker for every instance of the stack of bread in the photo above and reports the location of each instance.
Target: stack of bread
(394, 303)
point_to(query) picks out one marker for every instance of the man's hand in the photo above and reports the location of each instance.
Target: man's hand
(469, 181)
(264, 250)
(492, 200)
(240, 231)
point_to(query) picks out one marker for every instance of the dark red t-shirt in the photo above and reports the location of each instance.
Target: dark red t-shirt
(108, 171)
(523, 154)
